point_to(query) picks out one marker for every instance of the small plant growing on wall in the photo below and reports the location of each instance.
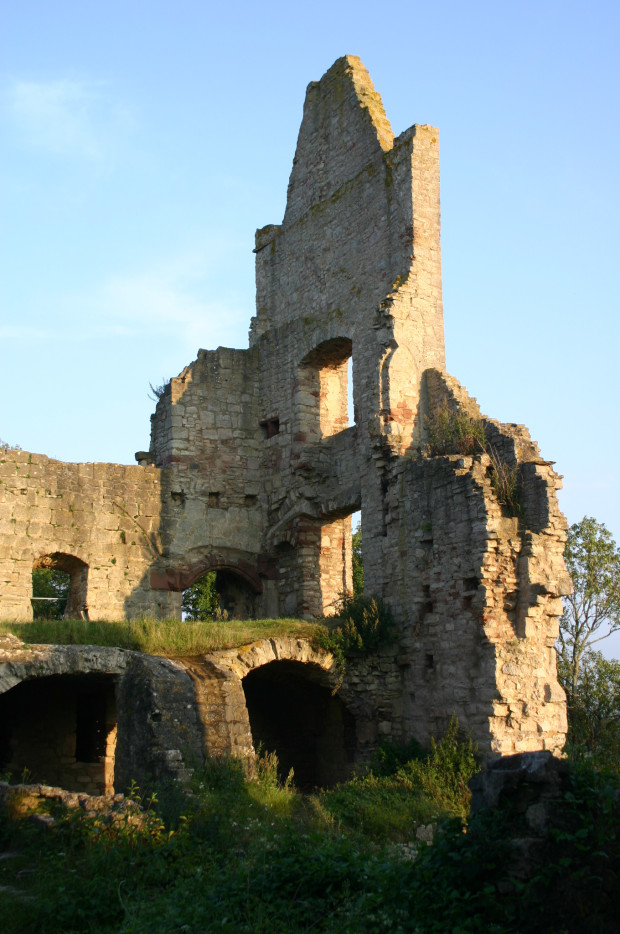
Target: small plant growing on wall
(451, 432)
(158, 391)
(361, 625)
(505, 483)
(455, 432)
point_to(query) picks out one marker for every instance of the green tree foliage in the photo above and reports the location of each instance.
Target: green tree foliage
(201, 601)
(594, 710)
(358, 567)
(50, 583)
(592, 611)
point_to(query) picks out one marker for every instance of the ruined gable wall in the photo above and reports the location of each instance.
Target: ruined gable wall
(359, 243)
(107, 515)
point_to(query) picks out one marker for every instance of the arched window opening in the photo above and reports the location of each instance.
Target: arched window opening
(61, 730)
(324, 402)
(219, 594)
(201, 601)
(59, 587)
(293, 713)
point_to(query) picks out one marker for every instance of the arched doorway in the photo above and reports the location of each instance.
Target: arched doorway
(220, 591)
(76, 592)
(61, 730)
(294, 713)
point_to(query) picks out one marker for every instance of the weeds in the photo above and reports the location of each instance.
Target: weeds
(407, 786)
(366, 623)
(454, 432)
(505, 483)
(235, 862)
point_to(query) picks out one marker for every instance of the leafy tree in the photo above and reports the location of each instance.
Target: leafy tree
(50, 583)
(592, 611)
(594, 710)
(201, 601)
(358, 567)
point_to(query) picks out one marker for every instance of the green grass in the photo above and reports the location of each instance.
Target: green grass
(158, 637)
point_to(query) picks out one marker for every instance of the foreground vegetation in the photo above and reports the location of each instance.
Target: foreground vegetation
(254, 856)
(158, 636)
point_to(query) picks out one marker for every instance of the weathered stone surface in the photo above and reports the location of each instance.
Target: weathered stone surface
(253, 469)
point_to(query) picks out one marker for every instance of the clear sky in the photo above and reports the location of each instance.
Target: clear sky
(142, 143)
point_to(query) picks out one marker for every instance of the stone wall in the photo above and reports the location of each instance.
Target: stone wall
(102, 523)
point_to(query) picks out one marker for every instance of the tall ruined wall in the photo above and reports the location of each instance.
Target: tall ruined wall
(357, 255)
(354, 270)
(207, 429)
(100, 522)
(476, 587)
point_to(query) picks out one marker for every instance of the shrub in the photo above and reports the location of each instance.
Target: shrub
(445, 773)
(366, 624)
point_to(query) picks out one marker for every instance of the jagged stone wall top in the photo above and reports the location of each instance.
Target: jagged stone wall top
(343, 129)
(361, 225)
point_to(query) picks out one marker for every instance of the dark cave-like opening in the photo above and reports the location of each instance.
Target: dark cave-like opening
(293, 713)
(61, 730)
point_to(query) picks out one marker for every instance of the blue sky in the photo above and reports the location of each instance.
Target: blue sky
(143, 143)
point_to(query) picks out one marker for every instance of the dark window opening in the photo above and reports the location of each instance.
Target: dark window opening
(428, 605)
(271, 427)
(90, 727)
(214, 499)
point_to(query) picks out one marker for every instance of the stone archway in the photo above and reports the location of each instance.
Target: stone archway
(294, 713)
(238, 582)
(58, 713)
(293, 707)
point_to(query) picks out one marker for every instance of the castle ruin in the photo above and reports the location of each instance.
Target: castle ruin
(256, 465)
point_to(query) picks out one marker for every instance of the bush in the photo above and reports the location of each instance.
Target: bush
(366, 624)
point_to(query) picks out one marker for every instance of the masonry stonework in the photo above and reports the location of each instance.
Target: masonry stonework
(256, 465)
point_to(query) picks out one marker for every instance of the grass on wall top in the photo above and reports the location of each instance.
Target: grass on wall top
(170, 637)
